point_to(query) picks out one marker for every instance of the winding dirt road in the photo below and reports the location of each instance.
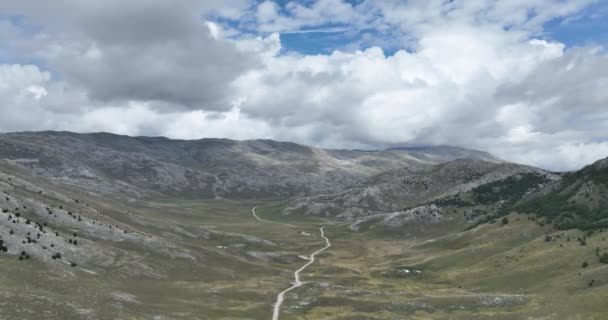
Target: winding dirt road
(296, 275)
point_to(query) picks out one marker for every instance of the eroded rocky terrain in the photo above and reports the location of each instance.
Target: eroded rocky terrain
(208, 168)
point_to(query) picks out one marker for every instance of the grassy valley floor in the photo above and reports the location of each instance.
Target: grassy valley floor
(231, 266)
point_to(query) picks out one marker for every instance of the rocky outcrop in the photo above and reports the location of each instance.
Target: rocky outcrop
(396, 190)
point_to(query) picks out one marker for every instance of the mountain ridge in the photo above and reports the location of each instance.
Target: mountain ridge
(164, 138)
(209, 168)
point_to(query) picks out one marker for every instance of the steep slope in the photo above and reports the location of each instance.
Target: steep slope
(207, 168)
(57, 226)
(483, 201)
(579, 200)
(404, 188)
(572, 200)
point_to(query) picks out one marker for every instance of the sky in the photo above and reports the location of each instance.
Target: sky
(524, 80)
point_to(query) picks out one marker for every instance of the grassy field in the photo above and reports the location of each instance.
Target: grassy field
(492, 272)
(236, 265)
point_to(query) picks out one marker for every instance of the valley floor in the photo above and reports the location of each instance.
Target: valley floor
(227, 265)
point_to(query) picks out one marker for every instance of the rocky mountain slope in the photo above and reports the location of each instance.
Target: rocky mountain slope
(58, 226)
(353, 185)
(48, 180)
(405, 188)
(572, 200)
(208, 168)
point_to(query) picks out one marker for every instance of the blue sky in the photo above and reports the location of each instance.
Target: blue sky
(588, 28)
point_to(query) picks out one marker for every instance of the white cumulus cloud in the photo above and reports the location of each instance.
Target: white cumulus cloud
(477, 74)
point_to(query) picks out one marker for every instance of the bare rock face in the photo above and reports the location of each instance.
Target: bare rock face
(403, 188)
(208, 168)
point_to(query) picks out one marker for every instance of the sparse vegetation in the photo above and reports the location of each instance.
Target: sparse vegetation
(508, 190)
(454, 201)
(565, 210)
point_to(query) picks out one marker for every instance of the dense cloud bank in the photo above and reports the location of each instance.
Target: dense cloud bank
(479, 75)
